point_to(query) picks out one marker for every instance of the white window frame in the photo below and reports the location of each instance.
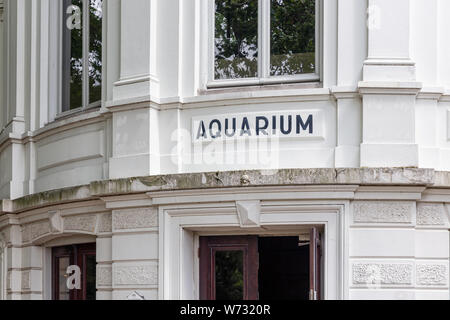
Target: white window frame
(86, 34)
(264, 41)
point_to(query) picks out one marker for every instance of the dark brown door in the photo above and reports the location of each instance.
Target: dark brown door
(229, 268)
(314, 265)
(83, 256)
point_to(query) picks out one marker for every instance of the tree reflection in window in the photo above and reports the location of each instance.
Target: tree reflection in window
(236, 39)
(293, 37)
(82, 72)
(95, 50)
(229, 278)
(292, 44)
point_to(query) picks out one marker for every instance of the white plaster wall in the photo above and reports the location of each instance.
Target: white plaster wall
(398, 250)
(71, 158)
(154, 85)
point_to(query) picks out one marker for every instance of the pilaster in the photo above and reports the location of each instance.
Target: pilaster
(389, 88)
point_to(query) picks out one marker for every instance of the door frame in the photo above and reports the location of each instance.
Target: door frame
(183, 221)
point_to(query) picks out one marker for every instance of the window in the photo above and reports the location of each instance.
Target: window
(82, 54)
(263, 41)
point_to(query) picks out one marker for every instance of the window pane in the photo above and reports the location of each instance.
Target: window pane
(95, 50)
(72, 55)
(293, 37)
(229, 271)
(63, 264)
(236, 39)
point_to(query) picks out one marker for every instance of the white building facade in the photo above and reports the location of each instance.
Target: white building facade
(142, 139)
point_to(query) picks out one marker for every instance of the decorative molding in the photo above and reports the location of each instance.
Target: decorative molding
(431, 274)
(105, 223)
(85, 223)
(135, 275)
(104, 276)
(383, 211)
(26, 280)
(134, 218)
(382, 274)
(430, 214)
(249, 213)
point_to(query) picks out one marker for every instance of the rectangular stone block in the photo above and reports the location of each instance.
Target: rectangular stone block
(382, 242)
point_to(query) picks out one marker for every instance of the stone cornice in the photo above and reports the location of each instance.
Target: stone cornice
(406, 177)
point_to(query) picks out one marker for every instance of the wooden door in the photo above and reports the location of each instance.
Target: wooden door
(314, 265)
(83, 256)
(229, 268)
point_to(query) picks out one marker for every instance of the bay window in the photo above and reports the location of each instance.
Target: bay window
(263, 41)
(81, 54)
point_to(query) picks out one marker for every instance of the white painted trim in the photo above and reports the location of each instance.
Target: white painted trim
(182, 222)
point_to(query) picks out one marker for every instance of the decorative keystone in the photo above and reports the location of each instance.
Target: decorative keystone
(56, 221)
(249, 213)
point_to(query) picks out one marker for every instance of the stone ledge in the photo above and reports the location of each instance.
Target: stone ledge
(230, 179)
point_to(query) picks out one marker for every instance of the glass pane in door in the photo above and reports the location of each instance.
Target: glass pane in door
(63, 264)
(229, 275)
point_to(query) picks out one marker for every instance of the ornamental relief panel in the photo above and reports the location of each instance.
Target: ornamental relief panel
(431, 274)
(58, 225)
(135, 275)
(104, 276)
(36, 230)
(383, 211)
(430, 214)
(382, 274)
(85, 223)
(26, 280)
(134, 218)
(105, 223)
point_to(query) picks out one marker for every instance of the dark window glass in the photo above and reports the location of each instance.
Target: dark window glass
(95, 50)
(229, 275)
(236, 39)
(72, 55)
(292, 37)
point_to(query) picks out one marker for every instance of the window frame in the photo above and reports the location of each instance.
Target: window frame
(86, 105)
(264, 43)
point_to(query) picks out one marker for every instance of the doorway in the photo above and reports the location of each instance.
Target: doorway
(260, 267)
(74, 272)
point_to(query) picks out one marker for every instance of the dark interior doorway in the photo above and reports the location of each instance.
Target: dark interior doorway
(264, 268)
(283, 269)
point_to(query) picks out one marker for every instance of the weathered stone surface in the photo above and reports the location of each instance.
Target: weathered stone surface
(383, 211)
(430, 214)
(134, 218)
(324, 176)
(85, 223)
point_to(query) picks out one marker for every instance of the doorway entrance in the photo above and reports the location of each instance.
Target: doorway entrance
(74, 272)
(260, 267)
